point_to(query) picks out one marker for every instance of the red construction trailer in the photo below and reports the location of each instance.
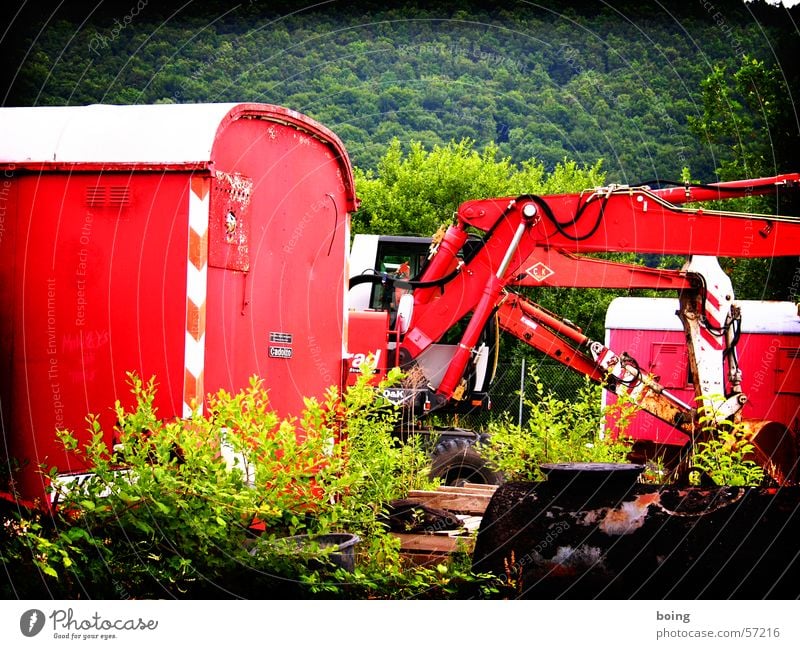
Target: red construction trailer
(768, 350)
(200, 244)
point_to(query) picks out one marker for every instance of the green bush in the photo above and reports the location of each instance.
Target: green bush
(724, 453)
(197, 507)
(557, 430)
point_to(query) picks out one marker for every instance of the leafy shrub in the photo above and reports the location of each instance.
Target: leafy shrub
(724, 454)
(557, 430)
(197, 507)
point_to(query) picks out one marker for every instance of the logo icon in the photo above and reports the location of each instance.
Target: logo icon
(397, 395)
(540, 272)
(31, 622)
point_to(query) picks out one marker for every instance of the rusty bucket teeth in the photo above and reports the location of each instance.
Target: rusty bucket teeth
(775, 449)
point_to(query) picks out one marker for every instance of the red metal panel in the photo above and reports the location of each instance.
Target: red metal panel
(304, 129)
(8, 309)
(99, 280)
(770, 366)
(663, 354)
(283, 319)
(669, 362)
(787, 368)
(771, 377)
(368, 332)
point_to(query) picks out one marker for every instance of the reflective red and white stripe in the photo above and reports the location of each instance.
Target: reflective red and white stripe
(715, 319)
(196, 287)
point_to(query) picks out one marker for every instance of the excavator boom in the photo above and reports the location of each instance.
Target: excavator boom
(535, 240)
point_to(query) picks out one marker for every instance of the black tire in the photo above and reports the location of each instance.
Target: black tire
(456, 460)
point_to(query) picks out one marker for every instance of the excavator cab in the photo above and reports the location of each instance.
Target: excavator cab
(394, 263)
(399, 258)
(384, 275)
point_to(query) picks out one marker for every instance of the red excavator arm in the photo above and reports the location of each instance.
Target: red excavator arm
(539, 241)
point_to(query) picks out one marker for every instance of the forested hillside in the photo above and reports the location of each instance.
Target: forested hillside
(585, 81)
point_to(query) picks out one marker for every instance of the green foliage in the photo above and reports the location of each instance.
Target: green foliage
(199, 507)
(751, 127)
(725, 454)
(541, 83)
(558, 430)
(414, 192)
(738, 109)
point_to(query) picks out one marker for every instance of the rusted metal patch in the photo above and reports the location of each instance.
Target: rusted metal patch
(629, 517)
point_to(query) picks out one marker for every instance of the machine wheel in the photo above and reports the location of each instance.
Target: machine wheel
(456, 460)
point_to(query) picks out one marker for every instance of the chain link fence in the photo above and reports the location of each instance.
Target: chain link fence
(514, 379)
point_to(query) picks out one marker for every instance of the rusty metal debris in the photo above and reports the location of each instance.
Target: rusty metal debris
(631, 541)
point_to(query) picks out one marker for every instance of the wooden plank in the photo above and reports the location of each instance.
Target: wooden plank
(434, 543)
(427, 542)
(453, 502)
(484, 487)
(472, 523)
(462, 490)
(452, 491)
(423, 559)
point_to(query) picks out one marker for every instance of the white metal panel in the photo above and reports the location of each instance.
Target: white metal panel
(363, 256)
(160, 133)
(434, 362)
(659, 314)
(769, 317)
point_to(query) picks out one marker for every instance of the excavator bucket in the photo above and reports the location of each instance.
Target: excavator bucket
(775, 449)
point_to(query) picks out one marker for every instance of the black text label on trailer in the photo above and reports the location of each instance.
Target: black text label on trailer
(280, 338)
(280, 352)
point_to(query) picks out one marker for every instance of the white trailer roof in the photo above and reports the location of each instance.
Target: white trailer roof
(160, 133)
(659, 314)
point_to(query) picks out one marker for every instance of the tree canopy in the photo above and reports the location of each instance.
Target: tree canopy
(583, 81)
(414, 192)
(441, 102)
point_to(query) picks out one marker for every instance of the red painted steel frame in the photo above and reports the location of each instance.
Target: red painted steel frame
(527, 322)
(640, 220)
(614, 220)
(556, 268)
